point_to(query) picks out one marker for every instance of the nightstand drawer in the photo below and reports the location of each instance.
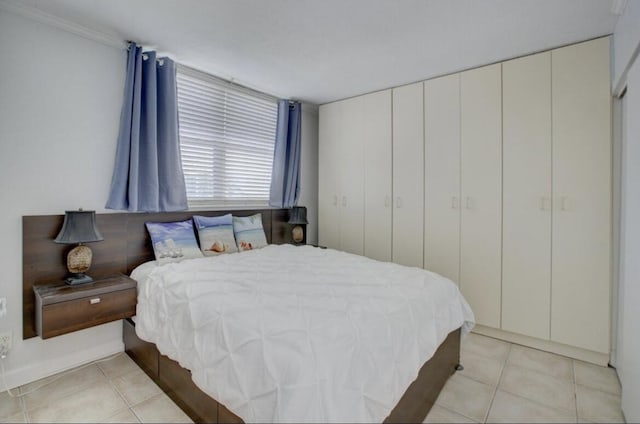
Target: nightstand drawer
(65, 317)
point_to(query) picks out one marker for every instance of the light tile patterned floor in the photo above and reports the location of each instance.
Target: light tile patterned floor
(501, 382)
(112, 391)
(504, 382)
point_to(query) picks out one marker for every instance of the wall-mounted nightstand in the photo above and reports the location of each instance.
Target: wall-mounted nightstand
(62, 309)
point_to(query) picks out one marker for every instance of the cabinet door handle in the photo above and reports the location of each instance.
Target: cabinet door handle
(398, 202)
(544, 203)
(468, 203)
(335, 200)
(387, 201)
(454, 202)
(344, 200)
(94, 301)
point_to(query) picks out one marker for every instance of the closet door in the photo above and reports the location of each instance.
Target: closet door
(408, 177)
(442, 176)
(481, 185)
(351, 177)
(330, 116)
(526, 209)
(581, 100)
(376, 132)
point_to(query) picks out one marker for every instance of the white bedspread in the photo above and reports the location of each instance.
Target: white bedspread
(299, 334)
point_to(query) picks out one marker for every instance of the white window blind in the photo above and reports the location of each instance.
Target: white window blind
(227, 136)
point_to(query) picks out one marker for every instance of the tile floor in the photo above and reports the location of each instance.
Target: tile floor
(504, 382)
(113, 391)
(501, 382)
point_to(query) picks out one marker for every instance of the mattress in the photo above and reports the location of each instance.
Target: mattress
(297, 333)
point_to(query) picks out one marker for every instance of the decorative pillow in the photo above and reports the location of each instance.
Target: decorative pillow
(173, 241)
(216, 234)
(249, 232)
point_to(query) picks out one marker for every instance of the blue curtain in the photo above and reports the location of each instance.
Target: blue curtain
(147, 176)
(285, 176)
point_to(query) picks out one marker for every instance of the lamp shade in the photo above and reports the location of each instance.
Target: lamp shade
(298, 215)
(79, 227)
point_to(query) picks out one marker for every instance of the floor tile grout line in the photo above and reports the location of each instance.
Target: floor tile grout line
(542, 373)
(569, 411)
(113, 386)
(475, 378)
(599, 390)
(23, 405)
(619, 386)
(521, 365)
(455, 412)
(504, 365)
(117, 412)
(451, 408)
(464, 349)
(537, 402)
(135, 415)
(129, 404)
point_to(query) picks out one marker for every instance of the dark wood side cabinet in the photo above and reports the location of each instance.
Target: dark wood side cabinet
(62, 309)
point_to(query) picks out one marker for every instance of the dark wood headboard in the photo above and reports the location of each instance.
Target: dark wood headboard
(126, 245)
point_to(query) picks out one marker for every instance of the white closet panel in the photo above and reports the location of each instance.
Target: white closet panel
(408, 175)
(526, 213)
(351, 158)
(330, 117)
(481, 188)
(581, 264)
(377, 175)
(341, 176)
(442, 176)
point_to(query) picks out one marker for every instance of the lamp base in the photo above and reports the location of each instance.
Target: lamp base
(297, 234)
(78, 279)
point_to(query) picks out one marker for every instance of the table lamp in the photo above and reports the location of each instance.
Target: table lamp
(298, 217)
(79, 227)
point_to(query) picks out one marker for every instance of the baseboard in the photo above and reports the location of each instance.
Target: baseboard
(34, 372)
(597, 358)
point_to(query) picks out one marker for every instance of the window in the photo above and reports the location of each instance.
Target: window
(227, 136)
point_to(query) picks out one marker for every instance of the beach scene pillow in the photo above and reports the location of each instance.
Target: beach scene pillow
(173, 241)
(215, 234)
(249, 232)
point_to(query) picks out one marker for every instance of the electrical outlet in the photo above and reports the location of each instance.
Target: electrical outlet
(5, 342)
(3, 306)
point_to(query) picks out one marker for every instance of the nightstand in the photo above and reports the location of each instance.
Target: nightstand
(62, 309)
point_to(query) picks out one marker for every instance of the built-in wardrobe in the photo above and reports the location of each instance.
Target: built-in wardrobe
(498, 178)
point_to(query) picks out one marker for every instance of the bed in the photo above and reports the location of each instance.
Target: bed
(410, 367)
(297, 333)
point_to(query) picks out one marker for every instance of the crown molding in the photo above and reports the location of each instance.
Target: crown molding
(54, 21)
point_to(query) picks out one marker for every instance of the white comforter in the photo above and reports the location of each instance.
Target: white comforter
(299, 334)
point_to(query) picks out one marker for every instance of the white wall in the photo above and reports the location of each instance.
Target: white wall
(60, 99)
(309, 170)
(627, 68)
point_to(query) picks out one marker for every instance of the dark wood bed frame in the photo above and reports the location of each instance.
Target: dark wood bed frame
(126, 245)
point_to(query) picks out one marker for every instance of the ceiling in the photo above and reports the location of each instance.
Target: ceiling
(318, 51)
